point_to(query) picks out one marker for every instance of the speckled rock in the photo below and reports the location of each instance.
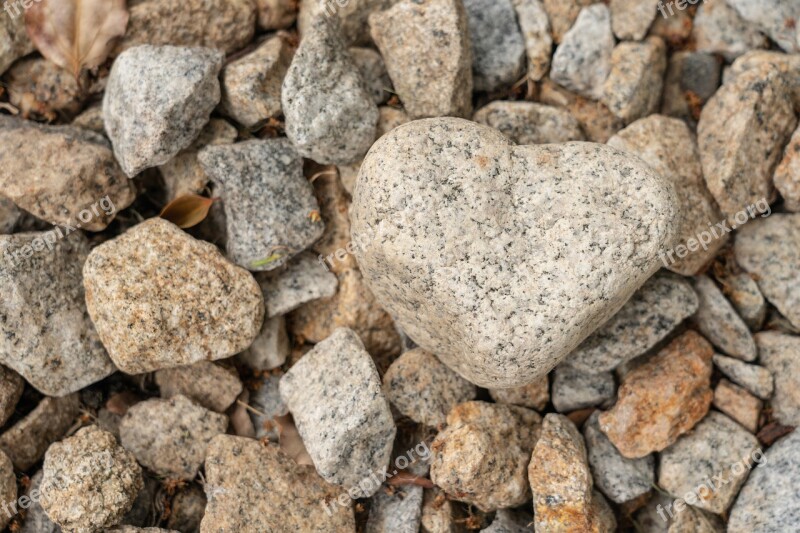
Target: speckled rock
(428, 55)
(508, 521)
(778, 353)
(270, 348)
(535, 26)
(395, 512)
(745, 296)
(788, 64)
(177, 86)
(563, 499)
(11, 387)
(187, 509)
(183, 174)
(661, 516)
(55, 172)
(718, 322)
(89, 481)
(769, 501)
(91, 118)
(776, 18)
(334, 393)
(582, 61)
(424, 389)
(769, 249)
(670, 148)
(716, 444)
(304, 279)
(466, 320)
(738, 404)
(276, 14)
(268, 202)
(14, 41)
(596, 120)
(631, 20)
(36, 520)
(226, 24)
(787, 174)
(562, 15)
(330, 115)
(574, 389)
(170, 437)
(662, 399)
(9, 215)
(692, 78)
(161, 299)
(754, 378)
(718, 29)
(42, 89)
(482, 456)
(251, 85)
(211, 385)
(351, 17)
(529, 122)
(8, 488)
(619, 478)
(498, 49)
(632, 89)
(534, 396)
(373, 72)
(266, 399)
(741, 132)
(439, 514)
(47, 335)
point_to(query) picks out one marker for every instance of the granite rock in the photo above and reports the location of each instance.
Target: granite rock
(529, 122)
(351, 17)
(787, 174)
(535, 26)
(276, 14)
(395, 512)
(8, 487)
(692, 78)
(778, 352)
(14, 41)
(776, 18)
(36, 520)
(718, 29)
(439, 514)
(742, 291)
(717, 320)
(660, 515)
(270, 348)
(563, 14)
(632, 89)
(754, 378)
(266, 399)
(631, 20)
(596, 120)
(509, 521)
(211, 385)
(91, 118)
(788, 64)
(738, 404)
(373, 71)
(11, 387)
(574, 389)
(498, 49)
(304, 279)
(40, 88)
(536, 395)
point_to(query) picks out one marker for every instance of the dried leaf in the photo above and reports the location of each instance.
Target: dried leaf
(407, 478)
(290, 441)
(76, 34)
(241, 423)
(120, 402)
(187, 211)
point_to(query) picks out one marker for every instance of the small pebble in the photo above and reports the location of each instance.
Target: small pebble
(574, 389)
(211, 385)
(743, 292)
(692, 78)
(11, 387)
(535, 26)
(562, 15)
(530, 123)
(373, 72)
(718, 29)
(738, 404)
(787, 174)
(270, 348)
(778, 353)
(633, 87)
(776, 18)
(395, 512)
(534, 396)
(498, 49)
(631, 19)
(754, 378)
(718, 322)
(304, 279)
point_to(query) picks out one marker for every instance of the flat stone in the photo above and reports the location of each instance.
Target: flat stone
(8, 487)
(373, 72)
(266, 399)
(775, 18)
(769, 501)
(209, 384)
(14, 41)
(662, 399)
(330, 115)
(562, 15)
(170, 437)
(39, 88)
(304, 279)
(633, 87)
(534, 396)
(397, 512)
(631, 20)
(561, 481)
(738, 404)
(334, 394)
(89, 481)
(535, 26)
(161, 299)
(530, 123)
(179, 88)
(596, 120)
(574, 389)
(9, 215)
(745, 296)
(11, 387)
(464, 309)
(428, 55)
(669, 147)
(768, 249)
(716, 444)
(498, 49)
(58, 173)
(778, 353)
(424, 389)
(619, 478)
(251, 85)
(268, 202)
(47, 335)
(270, 348)
(583, 60)
(482, 456)
(741, 132)
(692, 78)
(276, 14)
(718, 322)
(787, 174)
(719, 29)
(754, 378)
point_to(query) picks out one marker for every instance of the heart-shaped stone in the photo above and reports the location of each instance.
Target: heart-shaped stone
(500, 259)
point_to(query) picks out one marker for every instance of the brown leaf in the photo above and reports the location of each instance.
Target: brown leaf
(407, 478)
(120, 402)
(187, 211)
(290, 441)
(772, 432)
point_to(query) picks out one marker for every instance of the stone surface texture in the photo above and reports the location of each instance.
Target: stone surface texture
(717, 320)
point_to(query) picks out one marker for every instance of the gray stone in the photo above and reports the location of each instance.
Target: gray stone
(395, 512)
(160, 299)
(209, 384)
(619, 478)
(562, 15)
(745, 296)
(268, 202)
(508, 521)
(439, 514)
(445, 272)
(373, 72)
(535, 395)
(654, 311)
(14, 41)
(9, 215)
(660, 516)
(718, 322)
(351, 16)
(266, 400)
(692, 78)
(718, 29)
(330, 115)
(304, 279)
(630, 20)
(270, 348)
(778, 353)
(36, 520)
(177, 86)
(251, 85)
(582, 61)
(11, 387)
(428, 55)
(47, 335)
(574, 389)
(776, 18)
(754, 378)
(89, 481)
(632, 89)
(529, 122)
(498, 50)
(712, 449)
(535, 26)
(770, 500)
(334, 393)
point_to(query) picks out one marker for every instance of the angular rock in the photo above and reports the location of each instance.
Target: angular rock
(179, 88)
(266, 399)
(398, 512)
(662, 399)
(334, 394)
(58, 173)
(305, 279)
(596, 120)
(268, 202)
(632, 89)
(787, 174)
(778, 353)
(36, 520)
(660, 515)
(42, 89)
(718, 29)
(211, 385)
(11, 387)
(692, 78)
(89, 481)
(562, 15)
(330, 116)
(775, 18)
(373, 71)
(788, 64)
(434, 78)
(718, 322)
(745, 296)
(466, 319)
(741, 133)
(631, 20)
(251, 85)
(529, 122)
(439, 514)
(276, 14)
(574, 389)
(716, 444)
(14, 41)
(535, 26)
(754, 378)
(161, 299)
(351, 16)
(738, 404)
(270, 348)
(534, 396)
(482, 456)
(498, 50)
